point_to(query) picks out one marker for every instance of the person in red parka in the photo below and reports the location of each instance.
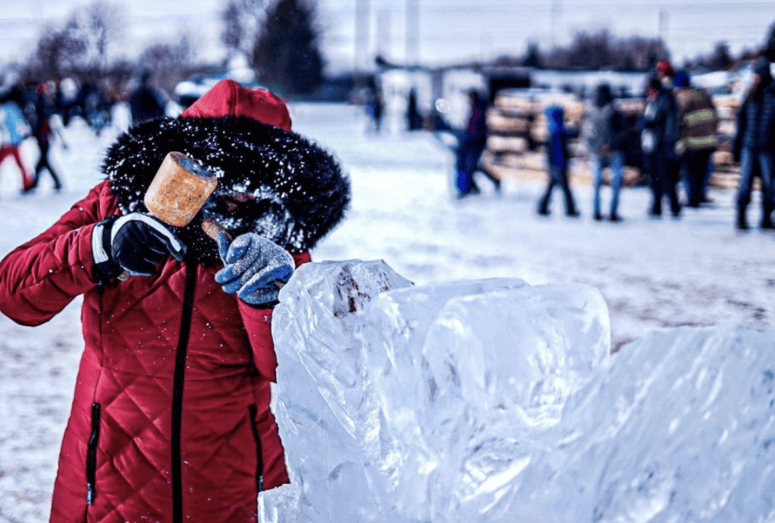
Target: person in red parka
(170, 420)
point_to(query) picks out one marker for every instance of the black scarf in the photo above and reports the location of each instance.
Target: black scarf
(298, 190)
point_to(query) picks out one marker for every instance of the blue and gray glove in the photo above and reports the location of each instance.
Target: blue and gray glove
(135, 243)
(254, 267)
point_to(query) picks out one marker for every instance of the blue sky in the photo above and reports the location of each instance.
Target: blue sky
(448, 29)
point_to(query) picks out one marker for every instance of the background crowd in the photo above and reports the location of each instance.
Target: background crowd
(677, 130)
(677, 134)
(42, 111)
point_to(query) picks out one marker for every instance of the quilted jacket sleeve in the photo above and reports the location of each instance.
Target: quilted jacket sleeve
(258, 324)
(39, 278)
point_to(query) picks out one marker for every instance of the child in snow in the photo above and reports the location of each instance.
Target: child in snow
(170, 420)
(14, 130)
(557, 161)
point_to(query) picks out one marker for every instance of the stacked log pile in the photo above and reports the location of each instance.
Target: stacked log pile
(726, 172)
(517, 132)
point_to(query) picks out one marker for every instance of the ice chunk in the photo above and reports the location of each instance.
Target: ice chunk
(679, 426)
(398, 403)
(497, 369)
(327, 410)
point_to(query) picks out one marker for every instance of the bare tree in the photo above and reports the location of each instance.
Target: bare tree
(233, 34)
(102, 25)
(769, 44)
(58, 52)
(718, 59)
(532, 56)
(592, 50)
(169, 63)
(603, 51)
(242, 20)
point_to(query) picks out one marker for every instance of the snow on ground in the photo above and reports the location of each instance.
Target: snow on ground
(653, 273)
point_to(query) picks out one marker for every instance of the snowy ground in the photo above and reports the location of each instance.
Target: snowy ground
(653, 273)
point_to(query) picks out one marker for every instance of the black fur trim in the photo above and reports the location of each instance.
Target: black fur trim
(298, 190)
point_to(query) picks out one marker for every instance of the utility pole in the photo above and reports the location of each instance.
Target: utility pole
(664, 17)
(412, 32)
(362, 22)
(485, 45)
(383, 33)
(555, 20)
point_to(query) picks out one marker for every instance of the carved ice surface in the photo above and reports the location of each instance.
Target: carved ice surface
(494, 401)
(327, 408)
(678, 426)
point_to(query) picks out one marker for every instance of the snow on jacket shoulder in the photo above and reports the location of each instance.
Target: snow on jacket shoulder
(38, 279)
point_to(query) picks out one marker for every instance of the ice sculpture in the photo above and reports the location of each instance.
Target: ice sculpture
(401, 403)
(494, 401)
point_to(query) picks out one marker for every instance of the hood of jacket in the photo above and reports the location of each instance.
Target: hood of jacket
(271, 181)
(554, 118)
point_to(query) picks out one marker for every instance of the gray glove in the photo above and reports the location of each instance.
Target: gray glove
(254, 267)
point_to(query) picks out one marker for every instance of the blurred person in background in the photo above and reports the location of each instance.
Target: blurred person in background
(665, 73)
(605, 133)
(63, 105)
(375, 107)
(96, 107)
(47, 123)
(413, 116)
(13, 131)
(658, 126)
(697, 138)
(146, 102)
(558, 159)
(471, 145)
(754, 145)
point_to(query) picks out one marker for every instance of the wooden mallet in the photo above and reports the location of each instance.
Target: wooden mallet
(178, 190)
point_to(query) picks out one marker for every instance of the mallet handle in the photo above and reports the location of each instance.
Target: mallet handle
(213, 229)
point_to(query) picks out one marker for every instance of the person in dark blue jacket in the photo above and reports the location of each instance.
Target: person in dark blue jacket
(558, 160)
(471, 146)
(659, 124)
(754, 145)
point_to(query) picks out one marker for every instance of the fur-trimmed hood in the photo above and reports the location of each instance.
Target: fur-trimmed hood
(297, 191)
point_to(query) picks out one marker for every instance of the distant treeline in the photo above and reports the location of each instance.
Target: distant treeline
(602, 50)
(280, 39)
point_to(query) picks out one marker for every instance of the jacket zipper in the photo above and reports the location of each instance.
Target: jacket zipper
(260, 462)
(177, 393)
(91, 454)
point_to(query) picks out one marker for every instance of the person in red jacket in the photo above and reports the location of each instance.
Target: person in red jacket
(170, 420)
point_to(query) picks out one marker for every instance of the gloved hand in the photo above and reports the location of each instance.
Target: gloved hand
(254, 267)
(134, 242)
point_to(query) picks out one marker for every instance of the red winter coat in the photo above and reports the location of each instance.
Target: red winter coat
(170, 422)
(120, 437)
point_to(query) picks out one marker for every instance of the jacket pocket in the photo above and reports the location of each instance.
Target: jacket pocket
(91, 454)
(260, 458)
